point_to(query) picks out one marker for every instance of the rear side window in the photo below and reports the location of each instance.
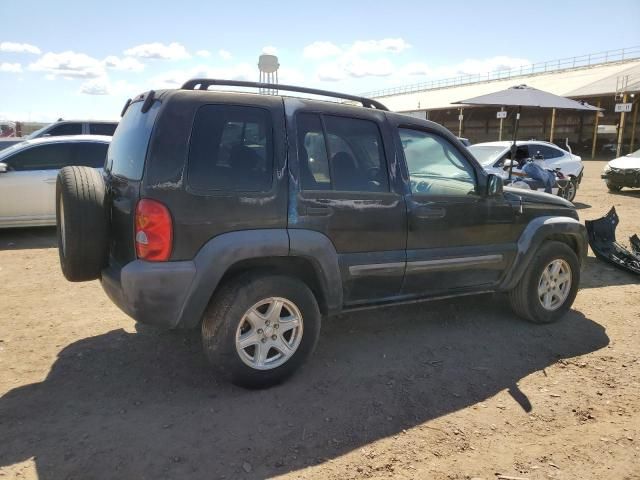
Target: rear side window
(65, 129)
(128, 149)
(102, 128)
(41, 157)
(231, 149)
(90, 154)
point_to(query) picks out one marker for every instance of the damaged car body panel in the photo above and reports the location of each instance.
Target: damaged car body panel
(602, 238)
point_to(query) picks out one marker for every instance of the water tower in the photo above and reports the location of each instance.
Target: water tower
(268, 66)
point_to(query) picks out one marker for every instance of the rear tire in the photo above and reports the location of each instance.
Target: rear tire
(613, 188)
(249, 339)
(538, 284)
(81, 223)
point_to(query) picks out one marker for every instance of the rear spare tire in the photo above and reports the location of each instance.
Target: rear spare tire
(81, 222)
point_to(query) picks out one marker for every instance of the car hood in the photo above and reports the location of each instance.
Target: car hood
(532, 196)
(624, 163)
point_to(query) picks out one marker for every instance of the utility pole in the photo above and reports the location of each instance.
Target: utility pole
(621, 128)
(595, 132)
(553, 124)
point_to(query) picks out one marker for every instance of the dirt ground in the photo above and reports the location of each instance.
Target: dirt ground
(445, 390)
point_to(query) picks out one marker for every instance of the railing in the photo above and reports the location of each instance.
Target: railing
(582, 61)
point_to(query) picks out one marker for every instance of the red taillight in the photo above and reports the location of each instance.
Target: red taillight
(154, 231)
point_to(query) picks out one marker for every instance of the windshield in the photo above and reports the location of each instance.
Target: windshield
(7, 152)
(35, 134)
(635, 154)
(486, 154)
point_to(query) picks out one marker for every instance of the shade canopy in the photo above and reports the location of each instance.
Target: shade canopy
(524, 96)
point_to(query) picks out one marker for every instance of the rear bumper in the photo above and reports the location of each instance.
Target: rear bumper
(150, 293)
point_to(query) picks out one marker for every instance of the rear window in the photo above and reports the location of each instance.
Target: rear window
(128, 147)
(231, 149)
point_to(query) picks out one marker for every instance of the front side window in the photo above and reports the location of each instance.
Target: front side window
(41, 157)
(342, 154)
(65, 129)
(435, 166)
(231, 149)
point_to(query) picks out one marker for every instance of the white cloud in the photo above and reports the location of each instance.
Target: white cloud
(493, 64)
(290, 76)
(321, 50)
(12, 47)
(157, 50)
(389, 45)
(129, 64)
(10, 67)
(203, 53)
(68, 64)
(96, 86)
(270, 50)
(224, 54)
(104, 86)
(362, 58)
(415, 68)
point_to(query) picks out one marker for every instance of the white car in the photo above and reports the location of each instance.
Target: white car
(28, 172)
(492, 155)
(623, 172)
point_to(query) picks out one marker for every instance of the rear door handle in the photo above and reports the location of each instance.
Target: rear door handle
(319, 211)
(430, 212)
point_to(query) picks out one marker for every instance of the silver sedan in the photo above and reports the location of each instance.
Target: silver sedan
(28, 172)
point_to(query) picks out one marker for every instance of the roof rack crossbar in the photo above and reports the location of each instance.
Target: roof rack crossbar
(205, 83)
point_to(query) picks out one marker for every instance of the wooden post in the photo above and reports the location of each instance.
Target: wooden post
(553, 124)
(595, 133)
(633, 125)
(621, 129)
(500, 131)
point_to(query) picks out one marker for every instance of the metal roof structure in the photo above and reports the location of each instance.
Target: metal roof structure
(603, 79)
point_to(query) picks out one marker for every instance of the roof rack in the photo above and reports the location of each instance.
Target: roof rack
(205, 83)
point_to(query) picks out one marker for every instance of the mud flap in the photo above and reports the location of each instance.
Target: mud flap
(602, 239)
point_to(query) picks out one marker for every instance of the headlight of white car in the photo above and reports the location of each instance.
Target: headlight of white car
(607, 169)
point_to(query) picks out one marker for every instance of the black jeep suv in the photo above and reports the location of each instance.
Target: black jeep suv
(254, 216)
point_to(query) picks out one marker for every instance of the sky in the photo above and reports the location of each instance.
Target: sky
(70, 59)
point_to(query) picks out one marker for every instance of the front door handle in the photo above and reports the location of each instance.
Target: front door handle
(430, 212)
(319, 211)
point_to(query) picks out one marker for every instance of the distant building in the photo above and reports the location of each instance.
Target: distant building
(600, 79)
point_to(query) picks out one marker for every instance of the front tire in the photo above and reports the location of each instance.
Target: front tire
(549, 285)
(613, 188)
(260, 328)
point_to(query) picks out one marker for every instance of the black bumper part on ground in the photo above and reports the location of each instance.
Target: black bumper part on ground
(602, 238)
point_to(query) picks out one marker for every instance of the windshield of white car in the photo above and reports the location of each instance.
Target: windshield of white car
(635, 154)
(35, 134)
(486, 154)
(7, 152)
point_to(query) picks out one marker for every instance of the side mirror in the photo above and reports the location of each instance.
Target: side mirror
(495, 185)
(3, 167)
